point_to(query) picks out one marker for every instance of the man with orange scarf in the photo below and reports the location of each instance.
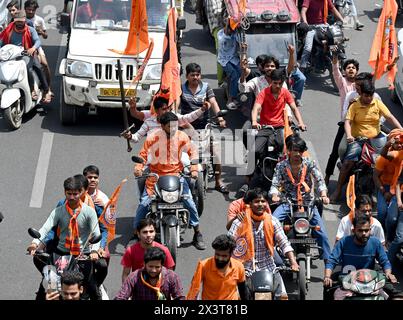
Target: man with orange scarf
(295, 175)
(255, 238)
(77, 223)
(387, 170)
(20, 34)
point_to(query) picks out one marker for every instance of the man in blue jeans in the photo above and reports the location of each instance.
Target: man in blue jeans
(164, 148)
(294, 176)
(228, 58)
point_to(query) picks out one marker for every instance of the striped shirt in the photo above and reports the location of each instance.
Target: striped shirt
(151, 123)
(263, 259)
(214, 12)
(191, 102)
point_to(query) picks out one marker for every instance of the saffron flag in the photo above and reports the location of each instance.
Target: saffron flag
(137, 40)
(170, 87)
(241, 12)
(384, 46)
(196, 283)
(140, 71)
(350, 193)
(245, 246)
(108, 217)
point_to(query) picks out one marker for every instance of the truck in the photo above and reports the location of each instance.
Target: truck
(89, 69)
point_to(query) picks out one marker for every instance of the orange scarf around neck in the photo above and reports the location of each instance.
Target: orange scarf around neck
(73, 238)
(157, 288)
(300, 183)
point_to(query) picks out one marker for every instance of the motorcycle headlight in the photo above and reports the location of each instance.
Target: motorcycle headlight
(364, 288)
(5, 54)
(301, 226)
(79, 69)
(170, 197)
(153, 72)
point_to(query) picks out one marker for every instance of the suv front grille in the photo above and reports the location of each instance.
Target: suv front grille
(109, 72)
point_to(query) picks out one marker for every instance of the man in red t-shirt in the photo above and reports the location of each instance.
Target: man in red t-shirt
(133, 257)
(270, 104)
(313, 14)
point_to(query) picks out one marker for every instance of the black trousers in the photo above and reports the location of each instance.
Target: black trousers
(262, 141)
(33, 65)
(334, 156)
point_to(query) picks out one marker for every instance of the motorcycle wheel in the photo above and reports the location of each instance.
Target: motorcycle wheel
(13, 115)
(301, 280)
(171, 241)
(199, 194)
(68, 113)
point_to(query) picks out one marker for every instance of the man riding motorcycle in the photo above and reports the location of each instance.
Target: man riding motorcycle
(265, 233)
(362, 120)
(20, 34)
(314, 14)
(271, 105)
(358, 251)
(165, 147)
(76, 222)
(295, 175)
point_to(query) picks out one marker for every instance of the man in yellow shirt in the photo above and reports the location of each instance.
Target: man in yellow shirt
(362, 120)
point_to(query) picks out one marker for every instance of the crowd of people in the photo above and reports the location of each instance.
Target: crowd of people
(362, 241)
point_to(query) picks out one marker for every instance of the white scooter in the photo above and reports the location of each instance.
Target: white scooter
(15, 93)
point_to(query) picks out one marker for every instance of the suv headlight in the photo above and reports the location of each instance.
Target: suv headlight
(79, 69)
(153, 72)
(170, 197)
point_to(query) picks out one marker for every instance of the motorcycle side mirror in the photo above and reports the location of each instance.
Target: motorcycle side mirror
(1, 217)
(222, 113)
(34, 233)
(194, 162)
(95, 239)
(181, 24)
(137, 159)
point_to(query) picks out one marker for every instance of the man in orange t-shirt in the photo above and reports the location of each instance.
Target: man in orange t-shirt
(164, 148)
(387, 170)
(223, 277)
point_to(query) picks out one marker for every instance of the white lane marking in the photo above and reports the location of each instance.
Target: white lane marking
(328, 216)
(62, 53)
(41, 171)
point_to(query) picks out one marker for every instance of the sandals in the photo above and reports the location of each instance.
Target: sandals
(221, 188)
(47, 97)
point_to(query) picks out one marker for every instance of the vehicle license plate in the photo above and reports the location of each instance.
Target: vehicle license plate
(115, 92)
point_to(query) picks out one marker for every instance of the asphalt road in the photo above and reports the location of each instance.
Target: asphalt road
(44, 148)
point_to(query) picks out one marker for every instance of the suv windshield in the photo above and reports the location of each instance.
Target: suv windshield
(269, 39)
(115, 14)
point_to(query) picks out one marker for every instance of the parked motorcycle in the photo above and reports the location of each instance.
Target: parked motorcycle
(299, 232)
(167, 209)
(56, 265)
(263, 284)
(16, 98)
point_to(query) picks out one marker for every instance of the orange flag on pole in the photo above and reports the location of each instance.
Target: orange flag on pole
(350, 193)
(137, 40)
(108, 218)
(384, 46)
(170, 87)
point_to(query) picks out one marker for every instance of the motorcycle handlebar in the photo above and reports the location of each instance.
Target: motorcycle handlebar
(152, 174)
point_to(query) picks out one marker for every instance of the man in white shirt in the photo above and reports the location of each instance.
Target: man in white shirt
(30, 7)
(363, 206)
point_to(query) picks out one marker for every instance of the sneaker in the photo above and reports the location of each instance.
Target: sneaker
(232, 106)
(298, 102)
(198, 241)
(242, 191)
(358, 26)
